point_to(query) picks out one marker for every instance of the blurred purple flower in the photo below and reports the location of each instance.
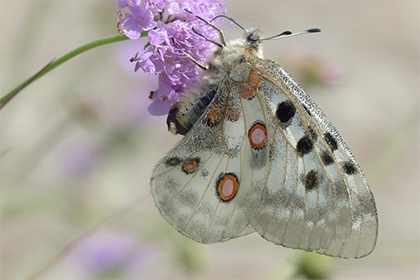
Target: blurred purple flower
(144, 258)
(115, 253)
(103, 251)
(80, 156)
(166, 21)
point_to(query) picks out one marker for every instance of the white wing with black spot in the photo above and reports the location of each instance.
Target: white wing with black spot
(316, 197)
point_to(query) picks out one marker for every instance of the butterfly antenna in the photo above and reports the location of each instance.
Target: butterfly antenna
(287, 34)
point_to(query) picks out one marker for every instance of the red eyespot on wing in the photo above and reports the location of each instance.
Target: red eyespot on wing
(258, 136)
(190, 166)
(227, 186)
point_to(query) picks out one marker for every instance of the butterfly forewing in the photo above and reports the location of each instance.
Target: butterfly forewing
(333, 209)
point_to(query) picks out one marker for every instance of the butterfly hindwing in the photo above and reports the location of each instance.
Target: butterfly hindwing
(203, 204)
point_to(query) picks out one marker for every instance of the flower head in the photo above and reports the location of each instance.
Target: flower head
(166, 22)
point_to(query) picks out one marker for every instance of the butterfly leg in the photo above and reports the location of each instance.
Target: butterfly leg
(220, 45)
(222, 36)
(196, 62)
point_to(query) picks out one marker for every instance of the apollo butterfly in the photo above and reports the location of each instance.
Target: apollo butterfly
(259, 155)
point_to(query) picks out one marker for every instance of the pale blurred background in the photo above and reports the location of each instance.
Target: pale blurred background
(78, 146)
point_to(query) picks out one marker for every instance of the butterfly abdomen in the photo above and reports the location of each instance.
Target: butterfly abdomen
(184, 114)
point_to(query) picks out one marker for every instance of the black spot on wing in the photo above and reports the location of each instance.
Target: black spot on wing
(173, 161)
(331, 141)
(312, 133)
(326, 158)
(349, 167)
(285, 111)
(304, 145)
(311, 180)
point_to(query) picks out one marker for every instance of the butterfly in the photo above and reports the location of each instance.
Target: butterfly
(258, 155)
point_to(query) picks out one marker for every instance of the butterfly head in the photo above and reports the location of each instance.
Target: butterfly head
(253, 36)
(253, 41)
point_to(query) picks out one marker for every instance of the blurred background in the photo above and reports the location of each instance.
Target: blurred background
(78, 146)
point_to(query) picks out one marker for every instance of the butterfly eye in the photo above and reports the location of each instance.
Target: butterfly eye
(252, 38)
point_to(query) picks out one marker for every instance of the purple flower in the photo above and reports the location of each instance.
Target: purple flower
(133, 24)
(144, 258)
(80, 157)
(168, 21)
(103, 251)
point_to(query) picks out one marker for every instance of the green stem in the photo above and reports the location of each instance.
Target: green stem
(5, 99)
